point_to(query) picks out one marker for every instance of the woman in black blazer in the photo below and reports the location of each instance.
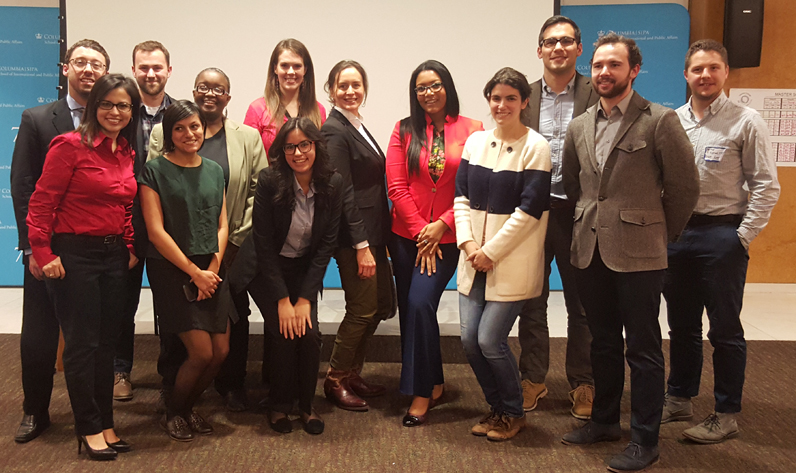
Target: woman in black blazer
(362, 253)
(295, 222)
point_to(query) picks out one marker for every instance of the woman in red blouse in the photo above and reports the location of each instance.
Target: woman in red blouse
(80, 231)
(289, 92)
(422, 160)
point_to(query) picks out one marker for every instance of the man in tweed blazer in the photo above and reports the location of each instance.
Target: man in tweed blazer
(629, 166)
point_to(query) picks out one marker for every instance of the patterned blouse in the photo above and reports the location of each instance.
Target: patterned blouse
(436, 160)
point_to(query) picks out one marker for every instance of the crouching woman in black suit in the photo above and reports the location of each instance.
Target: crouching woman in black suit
(294, 233)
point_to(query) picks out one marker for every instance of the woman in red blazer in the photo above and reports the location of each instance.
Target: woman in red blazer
(422, 160)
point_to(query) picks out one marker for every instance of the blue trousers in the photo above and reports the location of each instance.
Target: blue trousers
(707, 270)
(418, 301)
(485, 329)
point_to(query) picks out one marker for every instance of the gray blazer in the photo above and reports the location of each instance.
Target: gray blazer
(585, 97)
(644, 195)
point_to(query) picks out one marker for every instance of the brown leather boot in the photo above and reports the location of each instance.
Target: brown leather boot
(339, 393)
(363, 388)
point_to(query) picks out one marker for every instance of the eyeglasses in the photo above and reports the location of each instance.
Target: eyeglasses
(203, 89)
(422, 89)
(80, 64)
(305, 147)
(550, 43)
(123, 107)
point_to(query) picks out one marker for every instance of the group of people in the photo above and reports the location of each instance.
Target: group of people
(580, 170)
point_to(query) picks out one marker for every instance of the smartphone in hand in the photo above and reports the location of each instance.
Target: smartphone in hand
(191, 291)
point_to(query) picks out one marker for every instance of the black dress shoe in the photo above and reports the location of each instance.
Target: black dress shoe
(313, 424)
(177, 428)
(120, 446)
(31, 427)
(592, 432)
(411, 420)
(198, 424)
(236, 400)
(281, 424)
(102, 454)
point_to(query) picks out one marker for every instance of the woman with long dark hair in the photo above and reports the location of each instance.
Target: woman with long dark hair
(296, 215)
(80, 231)
(422, 160)
(361, 256)
(184, 206)
(289, 92)
(501, 208)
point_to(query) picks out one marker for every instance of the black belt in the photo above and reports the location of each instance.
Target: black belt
(105, 240)
(699, 220)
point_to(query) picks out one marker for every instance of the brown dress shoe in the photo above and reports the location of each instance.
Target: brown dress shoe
(340, 394)
(363, 388)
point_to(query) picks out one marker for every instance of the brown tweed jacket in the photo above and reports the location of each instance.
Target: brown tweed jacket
(644, 195)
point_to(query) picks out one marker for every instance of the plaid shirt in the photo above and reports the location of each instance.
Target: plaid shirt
(149, 121)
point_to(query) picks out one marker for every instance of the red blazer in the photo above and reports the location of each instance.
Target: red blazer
(416, 199)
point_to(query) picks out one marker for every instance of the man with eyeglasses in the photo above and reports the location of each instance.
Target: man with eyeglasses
(559, 96)
(85, 62)
(151, 69)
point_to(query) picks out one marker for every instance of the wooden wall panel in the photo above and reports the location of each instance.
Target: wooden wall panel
(773, 253)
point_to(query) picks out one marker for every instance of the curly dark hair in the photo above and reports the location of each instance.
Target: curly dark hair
(321, 170)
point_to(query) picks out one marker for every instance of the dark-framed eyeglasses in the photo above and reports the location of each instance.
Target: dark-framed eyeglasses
(422, 89)
(80, 64)
(123, 107)
(550, 43)
(305, 147)
(203, 89)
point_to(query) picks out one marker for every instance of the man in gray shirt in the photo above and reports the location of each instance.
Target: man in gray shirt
(707, 266)
(559, 96)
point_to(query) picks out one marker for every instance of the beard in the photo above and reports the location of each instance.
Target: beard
(617, 89)
(152, 88)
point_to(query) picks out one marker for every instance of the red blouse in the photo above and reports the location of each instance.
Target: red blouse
(84, 191)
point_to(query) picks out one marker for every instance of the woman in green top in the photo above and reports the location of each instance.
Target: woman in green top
(182, 197)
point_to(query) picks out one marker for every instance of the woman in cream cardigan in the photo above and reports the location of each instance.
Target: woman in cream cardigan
(501, 207)
(239, 150)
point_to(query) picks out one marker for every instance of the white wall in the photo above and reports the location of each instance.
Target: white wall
(473, 38)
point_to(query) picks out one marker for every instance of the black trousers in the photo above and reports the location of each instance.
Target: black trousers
(614, 301)
(38, 345)
(292, 364)
(89, 302)
(232, 375)
(123, 361)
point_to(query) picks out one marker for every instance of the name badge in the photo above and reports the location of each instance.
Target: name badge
(714, 154)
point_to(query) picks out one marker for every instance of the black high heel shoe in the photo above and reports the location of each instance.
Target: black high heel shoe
(104, 454)
(120, 446)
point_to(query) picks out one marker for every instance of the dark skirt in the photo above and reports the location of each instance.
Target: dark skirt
(175, 314)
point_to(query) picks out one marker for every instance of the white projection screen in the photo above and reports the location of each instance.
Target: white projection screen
(473, 38)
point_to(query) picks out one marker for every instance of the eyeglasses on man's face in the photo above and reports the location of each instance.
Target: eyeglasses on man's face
(80, 64)
(550, 43)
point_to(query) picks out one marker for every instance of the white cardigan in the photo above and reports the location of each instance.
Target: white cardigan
(502, 203)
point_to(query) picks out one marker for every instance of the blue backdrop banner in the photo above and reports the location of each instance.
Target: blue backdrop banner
(661, 31)
(29, 52)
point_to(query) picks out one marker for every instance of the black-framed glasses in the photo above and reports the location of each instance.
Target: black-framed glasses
(422, 89)
(80, 64)
(123, 107)
(550, 43)
(203, 89)
(305, 147)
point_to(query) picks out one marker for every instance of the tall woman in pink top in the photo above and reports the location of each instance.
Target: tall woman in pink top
(289, 92)
(422, 160)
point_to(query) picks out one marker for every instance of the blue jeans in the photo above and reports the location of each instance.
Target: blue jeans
(707, 269)
(485, 327)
